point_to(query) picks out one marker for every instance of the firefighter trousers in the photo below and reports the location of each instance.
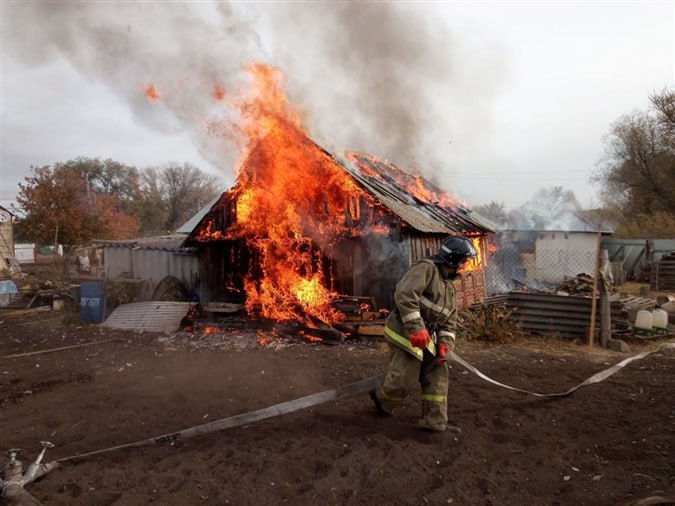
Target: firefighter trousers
(406, 373)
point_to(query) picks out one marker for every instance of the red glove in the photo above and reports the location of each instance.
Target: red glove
(420, 339)
(443, 350)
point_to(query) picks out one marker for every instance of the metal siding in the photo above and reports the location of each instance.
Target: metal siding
(152, 265)
(630, 252)
(155, 265)
(117, 261)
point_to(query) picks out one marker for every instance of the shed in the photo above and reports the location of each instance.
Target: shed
(561, 249)
(161, 264)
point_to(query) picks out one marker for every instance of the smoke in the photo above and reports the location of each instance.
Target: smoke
(183, 50)
(379, 77)
(387, 79)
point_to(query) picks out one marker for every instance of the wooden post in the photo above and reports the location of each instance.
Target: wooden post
(594, 304)
(605, 314)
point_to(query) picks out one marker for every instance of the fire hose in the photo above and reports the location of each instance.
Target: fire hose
(14, 479)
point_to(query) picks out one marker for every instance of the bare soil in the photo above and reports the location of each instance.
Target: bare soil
(606, 444)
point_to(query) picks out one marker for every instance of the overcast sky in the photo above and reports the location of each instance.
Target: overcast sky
(490, 100)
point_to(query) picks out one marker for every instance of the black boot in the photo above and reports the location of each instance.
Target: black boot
(380, 410)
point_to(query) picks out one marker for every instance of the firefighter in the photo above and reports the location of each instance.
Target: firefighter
(420, 331)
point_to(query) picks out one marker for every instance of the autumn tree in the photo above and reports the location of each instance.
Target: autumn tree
(105, 176)
(637, 171)
(64, 205)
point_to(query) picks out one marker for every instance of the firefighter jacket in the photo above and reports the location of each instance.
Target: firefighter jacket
(423, 299)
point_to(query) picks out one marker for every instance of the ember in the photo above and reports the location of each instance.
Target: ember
(151, 92)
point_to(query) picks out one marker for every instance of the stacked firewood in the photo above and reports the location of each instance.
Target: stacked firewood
(580, 284)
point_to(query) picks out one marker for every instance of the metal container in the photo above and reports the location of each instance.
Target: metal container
(92, 301)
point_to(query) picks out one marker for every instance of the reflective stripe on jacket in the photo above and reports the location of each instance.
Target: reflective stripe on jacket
(423, 299)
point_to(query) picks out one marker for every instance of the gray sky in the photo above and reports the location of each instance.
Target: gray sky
(490, 100)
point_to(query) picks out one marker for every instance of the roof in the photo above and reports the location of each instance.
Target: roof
(2, 208)
(190, 225)
(569, 221)
(162, 242)
(383, 180)
(394, 188)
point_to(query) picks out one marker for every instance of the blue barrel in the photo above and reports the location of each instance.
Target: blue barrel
(92, 301)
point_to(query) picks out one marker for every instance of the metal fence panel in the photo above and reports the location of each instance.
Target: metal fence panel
(635, 254)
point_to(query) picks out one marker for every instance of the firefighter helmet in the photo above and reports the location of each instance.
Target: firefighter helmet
(454, 250)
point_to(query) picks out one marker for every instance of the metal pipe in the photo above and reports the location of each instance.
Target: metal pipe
(14, 478)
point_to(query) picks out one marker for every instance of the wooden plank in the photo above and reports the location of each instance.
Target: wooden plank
(223, 307)
(370, 330)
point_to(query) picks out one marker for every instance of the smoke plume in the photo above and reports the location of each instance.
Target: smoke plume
(378, 77)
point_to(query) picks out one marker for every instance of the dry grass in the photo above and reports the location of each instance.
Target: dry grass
(639, 289)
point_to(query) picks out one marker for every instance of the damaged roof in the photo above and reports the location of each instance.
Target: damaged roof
(383, 180)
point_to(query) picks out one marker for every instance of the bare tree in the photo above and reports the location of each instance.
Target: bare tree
(637, 171)
(172, 194)
(545, 206)
(493, 211)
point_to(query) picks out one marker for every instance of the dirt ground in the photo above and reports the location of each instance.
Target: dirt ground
(606, 444)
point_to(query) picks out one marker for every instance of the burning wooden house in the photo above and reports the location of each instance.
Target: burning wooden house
(301, 230)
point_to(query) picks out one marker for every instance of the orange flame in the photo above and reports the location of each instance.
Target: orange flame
(415, 185)
(218, 93)
(475, 263)
(311, 338)
(291, 203)
(151, 92)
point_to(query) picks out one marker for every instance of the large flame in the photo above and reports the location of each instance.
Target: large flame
(293, 202)
(291, 198)
(475, 263)
(414, 184)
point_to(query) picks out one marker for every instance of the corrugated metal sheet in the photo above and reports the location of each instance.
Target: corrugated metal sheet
(556, 315)
(152, 316)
